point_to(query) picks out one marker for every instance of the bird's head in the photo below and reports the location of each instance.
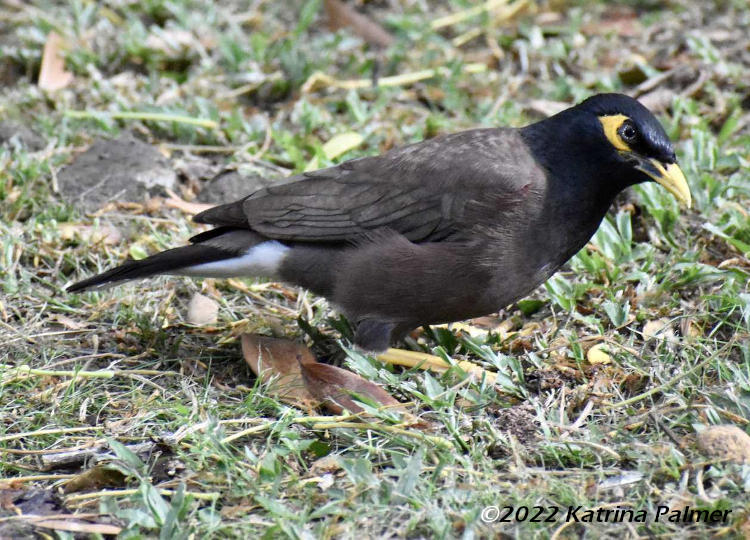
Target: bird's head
(636, 140)
(612, 140)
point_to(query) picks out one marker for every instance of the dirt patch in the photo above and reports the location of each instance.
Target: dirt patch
(12, 133)
(519, 421)
(14, 502)
(122, 169)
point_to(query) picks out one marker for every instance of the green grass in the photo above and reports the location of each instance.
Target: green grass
(560, 432)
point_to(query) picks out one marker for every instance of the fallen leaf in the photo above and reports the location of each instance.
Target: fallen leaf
(598, 355)
(726, 442)
(78, 526)
(202, 310)
(336, 387)
(52, 74)
(96, 478)
(336, 146)
(341, 15)
(277, 362)
(659, 329)
(473, 331)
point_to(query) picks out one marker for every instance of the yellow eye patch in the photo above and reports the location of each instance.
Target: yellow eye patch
(612, 124)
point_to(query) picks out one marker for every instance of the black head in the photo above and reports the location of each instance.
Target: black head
(630, 126)
(612, 140)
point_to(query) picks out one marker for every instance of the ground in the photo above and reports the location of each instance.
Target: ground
(114, 406)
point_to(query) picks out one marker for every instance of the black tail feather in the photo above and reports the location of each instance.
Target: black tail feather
(166, 262)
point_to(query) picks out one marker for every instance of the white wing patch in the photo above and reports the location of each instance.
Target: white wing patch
(262, 260)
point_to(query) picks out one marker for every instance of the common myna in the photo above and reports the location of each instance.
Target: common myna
(447, 229)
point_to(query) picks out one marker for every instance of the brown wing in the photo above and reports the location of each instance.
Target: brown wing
(421, 191)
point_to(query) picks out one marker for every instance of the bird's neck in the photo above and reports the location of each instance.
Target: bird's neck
(582, 179)
(584, 175)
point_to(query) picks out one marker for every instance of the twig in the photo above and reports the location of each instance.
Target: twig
(463, 15)
(295, 420)
(201, 148)
(387, 429)
(34, 517)
(207, 496)
(98, 374)
(426, 361)
(37, 478)
(55, 431)
(403, 79)
(135, 115)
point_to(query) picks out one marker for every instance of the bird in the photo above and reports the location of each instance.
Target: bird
(451, 228)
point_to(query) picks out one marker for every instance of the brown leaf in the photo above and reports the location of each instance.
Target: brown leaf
(278, 361)
(98, 477)
(335, 387)
(52, 74)
(341, 15)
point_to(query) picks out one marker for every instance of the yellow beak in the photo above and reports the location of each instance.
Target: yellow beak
(671, 177)
(673, 181)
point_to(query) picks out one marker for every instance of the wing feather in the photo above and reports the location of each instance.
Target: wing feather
(421, 191)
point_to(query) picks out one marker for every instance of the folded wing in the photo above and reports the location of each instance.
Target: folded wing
(421, 191)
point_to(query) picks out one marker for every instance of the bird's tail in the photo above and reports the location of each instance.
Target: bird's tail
(222, 252)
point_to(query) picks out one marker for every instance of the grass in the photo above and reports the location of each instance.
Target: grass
(121, 368)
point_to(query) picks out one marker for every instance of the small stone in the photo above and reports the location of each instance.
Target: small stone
(202, 310)
(725, 442)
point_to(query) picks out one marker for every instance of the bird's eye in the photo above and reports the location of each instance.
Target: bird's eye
(628, 132)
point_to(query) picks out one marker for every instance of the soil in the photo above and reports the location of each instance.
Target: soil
(122, 169)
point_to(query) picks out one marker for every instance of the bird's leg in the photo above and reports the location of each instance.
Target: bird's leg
(373, 335)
